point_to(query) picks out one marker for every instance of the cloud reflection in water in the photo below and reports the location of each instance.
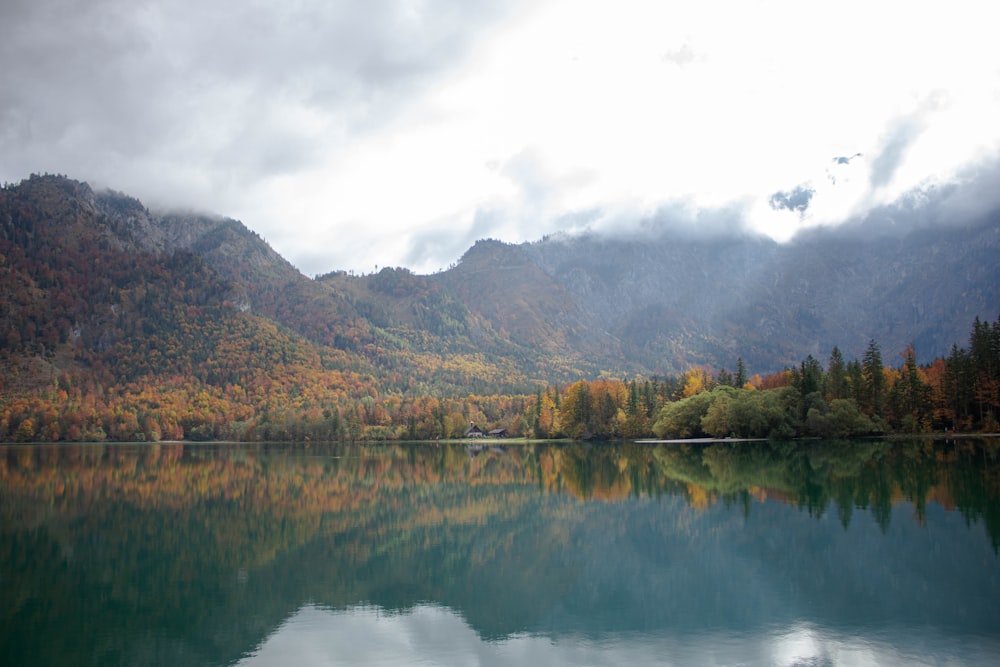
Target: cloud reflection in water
(435, 635)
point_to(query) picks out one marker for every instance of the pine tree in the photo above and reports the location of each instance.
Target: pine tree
(741, 373)
(874, 379)
(810, 376)
(632, 406)
(910, 396)
(984, 350)
(836, 376)
(958, 386)
(856, 382)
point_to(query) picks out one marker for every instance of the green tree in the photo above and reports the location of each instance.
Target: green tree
(741, 374)
(766, 414)
(873, 378)
(717, 420)
(841, 419)
(682, 419)
(836, 376)
(957, 387)
(909, 396)
(984, 349)
(632, 403)
(855, 381)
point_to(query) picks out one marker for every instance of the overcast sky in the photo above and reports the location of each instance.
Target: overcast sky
(356, 134)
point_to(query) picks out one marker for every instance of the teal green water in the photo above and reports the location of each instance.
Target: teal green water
(832, 553)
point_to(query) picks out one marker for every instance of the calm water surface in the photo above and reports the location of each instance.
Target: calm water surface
(834, 553)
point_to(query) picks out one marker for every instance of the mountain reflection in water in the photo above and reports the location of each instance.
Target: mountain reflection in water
(798, 553)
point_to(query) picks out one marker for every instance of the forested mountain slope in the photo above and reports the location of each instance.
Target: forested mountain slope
(674, 301)
(96, 286)
(83, 271)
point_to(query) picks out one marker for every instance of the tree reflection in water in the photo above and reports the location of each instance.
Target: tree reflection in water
(197, 553)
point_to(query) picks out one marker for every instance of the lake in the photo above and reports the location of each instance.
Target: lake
(818, 553)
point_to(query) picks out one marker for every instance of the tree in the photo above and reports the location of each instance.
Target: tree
(576, 412)
(26, 430)
(717, 420)
(682, 419)
(696, 380)
(632, 404)
(910, 394)
(808, 381)
(984, 350)
(741, 374)
(836, 376)
(957, 387)
(810, 376)
(873, 378)
(855, 381)
(841, 420)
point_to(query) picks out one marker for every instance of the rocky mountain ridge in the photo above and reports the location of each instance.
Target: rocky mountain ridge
(561, 308)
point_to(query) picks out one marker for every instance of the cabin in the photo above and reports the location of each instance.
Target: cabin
(474, 432)
(498, 433)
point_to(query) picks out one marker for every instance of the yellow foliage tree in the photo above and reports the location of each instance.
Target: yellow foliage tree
(696, 380)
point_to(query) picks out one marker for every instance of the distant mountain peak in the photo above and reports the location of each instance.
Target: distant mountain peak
(569, 305)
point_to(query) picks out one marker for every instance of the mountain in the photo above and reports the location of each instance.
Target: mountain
(94, 280)
(660, 304)
(672, 301)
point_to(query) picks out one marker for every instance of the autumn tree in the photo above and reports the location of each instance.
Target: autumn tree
(909, 396)
(576, 411)
(695, 381)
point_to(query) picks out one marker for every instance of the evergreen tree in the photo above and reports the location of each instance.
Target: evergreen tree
(856, 382)
(808, 380)
(810, 376)
(536, 414)
(650, 397)
(909, 396)
(632, 406)
(836, 376)
(984, 350)
(873, 378)
(741, 374)
(957, 386)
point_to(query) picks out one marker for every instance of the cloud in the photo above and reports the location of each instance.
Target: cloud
(202, 96)
(971, 197)
(842, 159)
(681, 56)
(448, 239)
(796, 200)
(429, 633)
(354, 133)
(528, 174)
(887, 161)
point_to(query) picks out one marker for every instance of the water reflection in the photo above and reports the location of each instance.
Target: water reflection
(821, 553)
(428, 634)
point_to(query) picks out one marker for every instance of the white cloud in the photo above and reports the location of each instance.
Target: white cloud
(429, 634)
(355, 134)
